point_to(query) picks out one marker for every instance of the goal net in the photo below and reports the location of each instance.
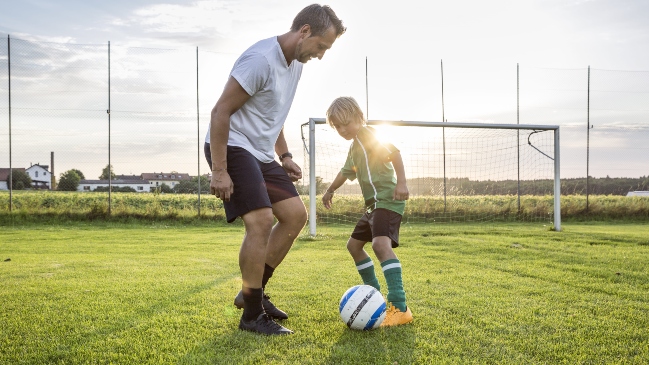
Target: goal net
(456, 172)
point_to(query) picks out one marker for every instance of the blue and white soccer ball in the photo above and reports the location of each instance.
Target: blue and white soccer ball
(362, 307)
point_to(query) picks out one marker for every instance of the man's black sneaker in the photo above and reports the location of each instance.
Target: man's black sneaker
(272, 311)
(264, 325)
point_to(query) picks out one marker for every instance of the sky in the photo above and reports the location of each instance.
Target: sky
(390, 59)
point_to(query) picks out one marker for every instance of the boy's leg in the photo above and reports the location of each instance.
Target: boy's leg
(364, 263)
(391, 266)
(385, 232)
(398, 313)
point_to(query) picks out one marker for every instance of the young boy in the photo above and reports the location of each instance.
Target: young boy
(372, 162)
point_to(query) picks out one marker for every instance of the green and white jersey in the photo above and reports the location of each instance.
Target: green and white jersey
(369, 161)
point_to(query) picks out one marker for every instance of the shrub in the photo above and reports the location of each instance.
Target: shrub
(69, 181)
(19, 180)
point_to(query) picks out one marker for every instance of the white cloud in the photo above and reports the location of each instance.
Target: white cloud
(208, 22)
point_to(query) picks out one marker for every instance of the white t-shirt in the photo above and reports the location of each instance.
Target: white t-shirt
(263, 73)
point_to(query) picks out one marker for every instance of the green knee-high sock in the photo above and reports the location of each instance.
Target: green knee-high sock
(366, 269)
(396, 294)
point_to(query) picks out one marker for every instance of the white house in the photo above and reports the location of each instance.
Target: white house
(4, 176)
(140, 186)
(40, 175)
(171, 179)
(638, 193)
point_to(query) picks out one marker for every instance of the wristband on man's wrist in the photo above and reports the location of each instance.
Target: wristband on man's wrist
(285, 155)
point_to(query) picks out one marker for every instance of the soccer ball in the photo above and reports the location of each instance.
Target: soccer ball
(362, 307)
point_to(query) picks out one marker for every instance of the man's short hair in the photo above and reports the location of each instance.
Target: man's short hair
(345, 110)
(320, 18)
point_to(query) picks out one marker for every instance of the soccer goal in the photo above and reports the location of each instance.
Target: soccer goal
(456, 172)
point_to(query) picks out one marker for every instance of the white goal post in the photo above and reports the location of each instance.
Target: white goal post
(490, 154)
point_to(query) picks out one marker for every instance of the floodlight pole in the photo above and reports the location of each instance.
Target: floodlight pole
(312, 179)
(441, 64)
(110, 170)
(367, 93)
(588, 141)
(518, 139)
(557, 182)
(11, 177)
(198, 139)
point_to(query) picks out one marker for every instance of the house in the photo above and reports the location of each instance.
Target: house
(4, 175)
(638, 193)
(140, 186)
(171, 179)
(40, 175)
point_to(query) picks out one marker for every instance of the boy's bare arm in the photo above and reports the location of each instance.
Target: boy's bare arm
(329, 194)
(401, 190)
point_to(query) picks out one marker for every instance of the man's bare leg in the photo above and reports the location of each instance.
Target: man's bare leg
(291, 217)
(252, 254)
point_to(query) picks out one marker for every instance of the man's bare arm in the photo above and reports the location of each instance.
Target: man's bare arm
(232, 98)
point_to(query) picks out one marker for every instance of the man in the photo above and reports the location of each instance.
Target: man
(246, 129)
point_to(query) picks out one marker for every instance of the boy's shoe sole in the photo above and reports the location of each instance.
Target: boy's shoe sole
(270, 309)
(264, 325)
(395, 317)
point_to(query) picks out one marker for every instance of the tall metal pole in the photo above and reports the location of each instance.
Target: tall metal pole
(110, 170)
(198, 138)
(11, 176)
(441, 62)
(557, 181)
(518, 138)
(367, 93)
(588, 141)
(312, 179)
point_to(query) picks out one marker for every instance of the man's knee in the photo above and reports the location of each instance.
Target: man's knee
(291, 211)
(301, 216)
(259, 221)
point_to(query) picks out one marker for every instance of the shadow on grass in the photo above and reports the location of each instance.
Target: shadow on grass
(395, 345)
(390, 345)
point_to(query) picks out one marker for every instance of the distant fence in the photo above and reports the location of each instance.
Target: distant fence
(145, 110)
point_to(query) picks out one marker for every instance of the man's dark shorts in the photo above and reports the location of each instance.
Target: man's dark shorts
(256, 184)
(380, 222)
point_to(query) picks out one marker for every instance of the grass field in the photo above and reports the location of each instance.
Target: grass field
(107, 293)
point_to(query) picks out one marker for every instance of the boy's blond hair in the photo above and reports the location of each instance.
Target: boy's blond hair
(345, 110)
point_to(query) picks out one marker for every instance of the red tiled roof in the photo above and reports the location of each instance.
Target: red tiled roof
(4, 172)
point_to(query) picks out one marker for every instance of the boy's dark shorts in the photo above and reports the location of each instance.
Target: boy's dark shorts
(256, 184)
(380, 222)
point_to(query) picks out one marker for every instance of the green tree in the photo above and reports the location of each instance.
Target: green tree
(320, 186)
(69, 181)
(81, 176)
(164, 188)
(20, 180)
(191, 186)
(107, 173)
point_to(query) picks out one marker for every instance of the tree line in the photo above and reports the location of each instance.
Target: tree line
(465, 186)
(69, 181)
